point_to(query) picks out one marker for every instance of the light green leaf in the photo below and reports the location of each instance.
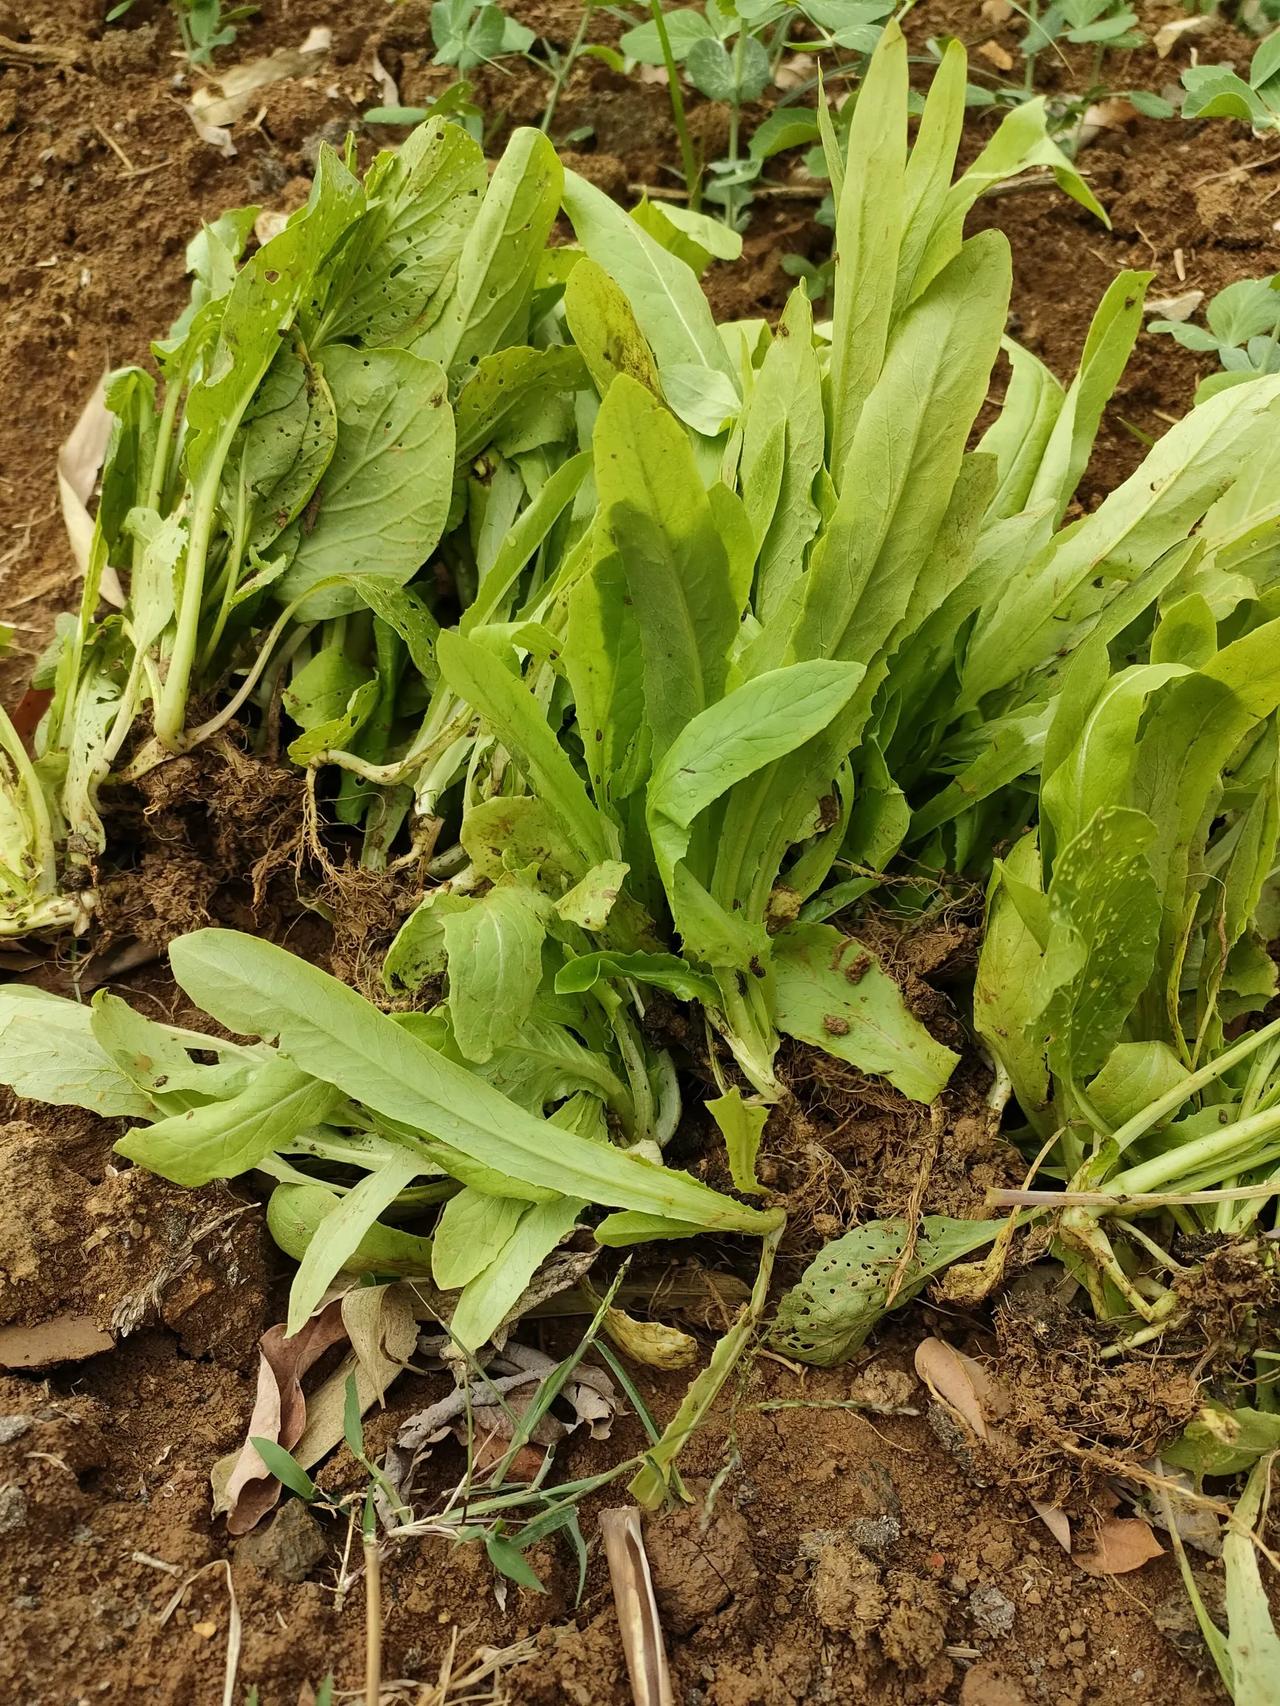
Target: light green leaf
(605, 329)
(1133, 1076)
(1104, 913)
(661, 971)
(489, 308)
(488, 1298)
(831, 992)
(589, 903)
(418, 951)
(742, 1126)
(471, 1232)
(226, 1138)
(1008, 993)
(295, 1214)
(494, 946)
(383, 502)
(503, 385)
(341, 1233)
(1253, 1646)
(257, 989)
(511, 711)
(662, 527)
(669, 305)
(48, 1052)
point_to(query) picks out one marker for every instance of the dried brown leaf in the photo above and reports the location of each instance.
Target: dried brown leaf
(1121, 1544)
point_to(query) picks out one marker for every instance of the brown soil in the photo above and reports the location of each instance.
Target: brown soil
(839, 1553)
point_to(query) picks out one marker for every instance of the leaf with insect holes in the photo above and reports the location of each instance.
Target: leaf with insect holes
(831, 992)
(49, 1052)
(494, 949)
(844, 1292)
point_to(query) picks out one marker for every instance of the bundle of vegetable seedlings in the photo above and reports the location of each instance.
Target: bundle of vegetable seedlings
(740, 622)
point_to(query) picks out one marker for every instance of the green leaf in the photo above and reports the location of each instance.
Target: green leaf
(662, 527)
(741, 1125)
(503, 385)
(831, 992)
(844, 1292)
(513, 714)
(869, 215)
(589, 903)
(526, 536)
(1132, 1077)
(284, 447)
(489, 308)
(339, 731)
(488, 1299)
(256, 988)
(285, 1467)
(296, 1212)
(794, 127)
(684, 25)
(494, 948)
(661, 971)
(226, 1138)
(761, 721)
(383, 502)
(1223, 1442)
(668, 303)
(341, 1233)
(418, 951)
(1253, 1646)
(396, 270)
(1104, 919)
(508, 1560)
(322, 688)
(1008, 992)
(49, 1053)
(471, 1232)
(738, 76)
(605, 329)
(402, 609)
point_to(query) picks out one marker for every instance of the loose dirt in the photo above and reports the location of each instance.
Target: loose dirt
(846, 1543)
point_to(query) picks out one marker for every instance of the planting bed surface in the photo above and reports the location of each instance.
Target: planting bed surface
(848, 1554)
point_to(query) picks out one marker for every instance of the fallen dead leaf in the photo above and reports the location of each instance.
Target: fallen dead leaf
(996, 11)
(637, 1607)
(229, 96)
(795, 69)
(996, 55)
(79, 459)
(1121, 1544)
(385, 81)
(279, 1412)
(216, 135)
(1115, 113)
(1169, 35)
(269, 223)
(1178, 308)
(1055, 1521)
(962, 1384)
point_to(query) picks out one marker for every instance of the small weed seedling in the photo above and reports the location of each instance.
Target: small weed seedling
(1242, 328)
(203, 24)
(1216, 91)
(730, 53)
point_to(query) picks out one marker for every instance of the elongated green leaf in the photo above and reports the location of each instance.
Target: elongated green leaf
(1104, 919)
(606, 330)
(661, 971)
(605, 666)
(527, 534)
(868, 233)
(513, 714)
(225, 1138)
(663, 529)
(341, 1233)
(1253, 1646)
(258, 989)
(489, 307)
(760, 722)
(488, 1298)
(665, 296)
(831, 992)
(383, 502)
(1008, 994)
